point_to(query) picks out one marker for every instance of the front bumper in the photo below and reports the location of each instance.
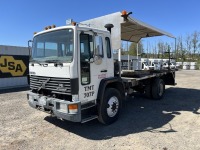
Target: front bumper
(57, 106)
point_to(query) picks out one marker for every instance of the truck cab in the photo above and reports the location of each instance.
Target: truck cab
(66, 68)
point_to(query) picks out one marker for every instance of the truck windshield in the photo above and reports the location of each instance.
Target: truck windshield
(54, 46)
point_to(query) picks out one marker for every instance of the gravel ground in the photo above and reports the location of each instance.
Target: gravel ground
(170, 124)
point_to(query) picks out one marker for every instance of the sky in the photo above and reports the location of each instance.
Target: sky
(19, 19)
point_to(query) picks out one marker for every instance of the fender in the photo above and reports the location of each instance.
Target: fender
(109, 82)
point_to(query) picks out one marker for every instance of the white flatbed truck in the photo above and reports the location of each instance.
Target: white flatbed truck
(72, 74)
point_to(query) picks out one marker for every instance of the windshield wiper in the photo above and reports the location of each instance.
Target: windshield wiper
(51, 61)
(56, 62)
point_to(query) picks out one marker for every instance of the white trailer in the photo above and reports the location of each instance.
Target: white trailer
(72, 74)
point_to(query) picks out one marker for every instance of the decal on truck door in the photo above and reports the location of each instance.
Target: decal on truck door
(89, 91)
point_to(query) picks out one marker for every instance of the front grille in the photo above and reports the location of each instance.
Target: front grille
(55, 85)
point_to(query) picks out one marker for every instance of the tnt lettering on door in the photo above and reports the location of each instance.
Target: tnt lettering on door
(89, 91)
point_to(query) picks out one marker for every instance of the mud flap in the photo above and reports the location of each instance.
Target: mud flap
(169, 78)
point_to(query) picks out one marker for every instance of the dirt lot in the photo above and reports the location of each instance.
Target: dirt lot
(173, 123)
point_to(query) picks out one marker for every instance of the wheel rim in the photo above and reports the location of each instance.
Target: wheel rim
(161, 89)
(113, 106)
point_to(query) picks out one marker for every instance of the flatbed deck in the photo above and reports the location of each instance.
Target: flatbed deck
(133, 77)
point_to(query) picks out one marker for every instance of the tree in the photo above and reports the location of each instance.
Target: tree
(181, 51)
(123, 50)
(155, 53)
(133, 48)
(195, 41)
(160, 46)
(188, 41)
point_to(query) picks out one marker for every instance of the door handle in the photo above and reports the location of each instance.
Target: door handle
(103, 70)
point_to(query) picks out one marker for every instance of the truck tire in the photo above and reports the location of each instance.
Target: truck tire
(158, 89)
(148, 91)
(109, 108)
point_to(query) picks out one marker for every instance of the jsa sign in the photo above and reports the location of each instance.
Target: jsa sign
(13, 66)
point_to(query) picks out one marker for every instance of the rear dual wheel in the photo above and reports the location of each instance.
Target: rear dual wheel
(155, 90)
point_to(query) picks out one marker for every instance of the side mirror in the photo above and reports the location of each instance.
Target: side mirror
(91, 60)
(30, 47)
(97, 60)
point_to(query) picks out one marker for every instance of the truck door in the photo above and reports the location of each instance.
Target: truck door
(91, 71)
(108, 55)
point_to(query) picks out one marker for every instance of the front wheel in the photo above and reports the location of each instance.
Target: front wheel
(109, 107)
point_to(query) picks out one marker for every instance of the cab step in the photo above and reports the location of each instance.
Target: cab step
(89, 119)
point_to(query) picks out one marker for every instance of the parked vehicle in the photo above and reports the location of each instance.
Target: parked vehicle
(72, 74)
(155, 65)
(171, 64)
(145, 66)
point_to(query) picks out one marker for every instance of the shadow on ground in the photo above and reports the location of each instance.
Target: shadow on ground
(4, 91)
(139, 114)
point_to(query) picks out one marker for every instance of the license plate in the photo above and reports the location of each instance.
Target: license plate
(42, 101)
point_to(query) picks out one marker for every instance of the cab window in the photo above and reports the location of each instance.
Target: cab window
(108, 47)
(99, 46)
